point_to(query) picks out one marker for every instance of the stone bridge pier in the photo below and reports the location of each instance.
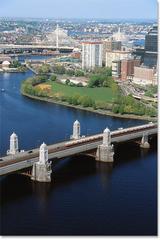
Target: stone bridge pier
(105, 151)
(41, 170)
(144, 142)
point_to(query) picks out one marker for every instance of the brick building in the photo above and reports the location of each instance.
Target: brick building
(144, 75)
(127, 68)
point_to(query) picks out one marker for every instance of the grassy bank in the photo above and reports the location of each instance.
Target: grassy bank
(97, 93)
(107, 100)
(90, 109)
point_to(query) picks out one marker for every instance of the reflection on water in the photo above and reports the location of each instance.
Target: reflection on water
(92, 185)
(42, 192)
(105, 171)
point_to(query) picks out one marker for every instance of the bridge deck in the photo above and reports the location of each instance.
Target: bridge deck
(26, 159)
(33, 46)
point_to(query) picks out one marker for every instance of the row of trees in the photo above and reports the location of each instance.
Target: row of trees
(107, 71)
(28, 86)
(16, 64)
(129, 105)
(59, 69)
(102, 73)
(151, 90)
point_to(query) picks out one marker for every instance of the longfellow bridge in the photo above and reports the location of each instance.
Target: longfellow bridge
(99, 145)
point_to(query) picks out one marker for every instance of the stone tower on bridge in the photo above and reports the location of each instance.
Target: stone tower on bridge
(41, 170)
(76, 130)
(13, 145)
(105, 151)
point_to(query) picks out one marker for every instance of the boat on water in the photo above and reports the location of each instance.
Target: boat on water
(2, 90)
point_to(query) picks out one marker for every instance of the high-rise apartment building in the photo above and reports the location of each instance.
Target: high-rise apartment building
(91, 55)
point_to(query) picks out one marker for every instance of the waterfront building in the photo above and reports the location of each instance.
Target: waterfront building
(127, 68)
(110, 45)
(116, 69)
(91, 55)
(139, 52)
(5, 60)
(151, 47)
(5, 64)
(76, 55)
(145, 76)
(116, 55)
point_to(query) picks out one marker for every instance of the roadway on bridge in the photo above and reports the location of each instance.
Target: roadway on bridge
(26, 159)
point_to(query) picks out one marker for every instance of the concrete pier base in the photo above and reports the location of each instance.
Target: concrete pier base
(144, 142)
(105, 153)
(145, 145)
(41, 172)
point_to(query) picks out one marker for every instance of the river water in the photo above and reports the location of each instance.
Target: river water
(84, 197)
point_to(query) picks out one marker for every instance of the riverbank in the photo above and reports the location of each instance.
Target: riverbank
(13, 71)
(89, 109)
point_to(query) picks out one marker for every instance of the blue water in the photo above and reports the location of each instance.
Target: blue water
(140, 42)
(33, 57)
(84, 197)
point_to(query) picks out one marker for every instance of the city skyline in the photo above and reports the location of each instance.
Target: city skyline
(102, 9)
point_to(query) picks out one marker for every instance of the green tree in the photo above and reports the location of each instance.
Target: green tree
(86, 101)
(15, 64)
(59, 69)
(79, 73)
(93, 81)
(75, 99)
(70, 72)
(53, 78)
(45, 68)
(67, 81)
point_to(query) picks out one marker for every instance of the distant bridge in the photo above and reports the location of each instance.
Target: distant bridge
(99, 143)
(13, 47)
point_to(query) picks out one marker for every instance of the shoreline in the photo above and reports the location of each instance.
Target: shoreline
(101, 112)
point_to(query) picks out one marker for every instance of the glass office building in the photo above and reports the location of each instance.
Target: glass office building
(151, 47)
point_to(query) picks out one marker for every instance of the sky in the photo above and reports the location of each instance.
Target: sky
(108, 9)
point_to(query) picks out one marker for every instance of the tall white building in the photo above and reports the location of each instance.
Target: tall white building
(92, 53)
